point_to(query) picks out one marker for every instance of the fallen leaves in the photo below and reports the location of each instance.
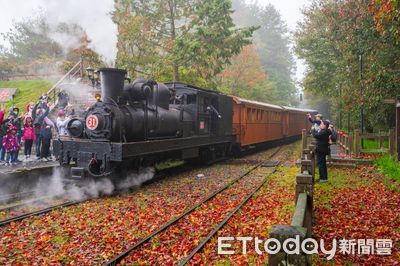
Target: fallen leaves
(97, 230)
(360, 206)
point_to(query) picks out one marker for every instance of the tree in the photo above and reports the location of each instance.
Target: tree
(386, 14)
(29, 41)
(334, 38)
(168, 36)
(37, 46)
(246, 78)
(272, 45)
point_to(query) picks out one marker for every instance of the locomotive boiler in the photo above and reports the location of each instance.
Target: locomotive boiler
(143, 122)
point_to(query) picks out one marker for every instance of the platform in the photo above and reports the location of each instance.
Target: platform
(26, 166)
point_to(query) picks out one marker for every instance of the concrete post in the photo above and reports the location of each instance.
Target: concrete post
(357, 141)
(392, 142)
(304, 139)
(397, 134)
(350, 144)
(381, 139)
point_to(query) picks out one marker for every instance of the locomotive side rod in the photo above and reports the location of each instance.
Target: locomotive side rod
(125, 253)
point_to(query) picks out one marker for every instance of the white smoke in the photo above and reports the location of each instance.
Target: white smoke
(94, 16)
(136, 179)
(56, 187)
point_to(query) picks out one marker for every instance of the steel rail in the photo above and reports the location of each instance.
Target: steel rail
(42, 211)
(15, 205)
(15, 196)
(222, 223)
(122, 255)
(163, 173)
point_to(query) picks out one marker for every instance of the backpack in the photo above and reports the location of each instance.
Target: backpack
(334, 135)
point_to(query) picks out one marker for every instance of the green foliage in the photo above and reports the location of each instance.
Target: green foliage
(272, 45)
(30, 41)
(173, 36)
(332, 38)
(28, 91)
(389, 166)
(37, 47)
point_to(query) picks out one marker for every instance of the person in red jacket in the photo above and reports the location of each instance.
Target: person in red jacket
(28, 137)
(11, 145)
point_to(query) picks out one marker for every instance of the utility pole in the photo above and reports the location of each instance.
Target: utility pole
(360, 60)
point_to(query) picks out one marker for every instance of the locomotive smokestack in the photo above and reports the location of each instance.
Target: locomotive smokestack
(112, 83)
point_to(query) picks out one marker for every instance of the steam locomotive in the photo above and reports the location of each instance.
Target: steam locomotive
(144, 122)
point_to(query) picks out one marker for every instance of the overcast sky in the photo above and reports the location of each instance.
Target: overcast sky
(93, 16)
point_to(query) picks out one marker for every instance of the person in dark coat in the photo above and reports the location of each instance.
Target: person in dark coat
(63, 99)
(39, 112)
(322, 148)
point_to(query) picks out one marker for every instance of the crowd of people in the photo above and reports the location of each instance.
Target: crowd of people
(33, 127)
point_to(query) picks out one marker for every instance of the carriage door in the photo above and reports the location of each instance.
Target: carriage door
(285, 122)
(204, 121)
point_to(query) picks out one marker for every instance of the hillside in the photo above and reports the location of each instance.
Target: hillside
(28, 91)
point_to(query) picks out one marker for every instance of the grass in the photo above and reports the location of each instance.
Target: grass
(28, 91)
(374, 144)
(389, 166)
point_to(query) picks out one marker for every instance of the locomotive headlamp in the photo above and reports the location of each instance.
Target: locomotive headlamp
(97, 96)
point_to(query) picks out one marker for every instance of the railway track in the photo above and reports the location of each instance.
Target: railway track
(191, 210)
(161, 174)
(5, 199)
(38, 212)
(19, 204)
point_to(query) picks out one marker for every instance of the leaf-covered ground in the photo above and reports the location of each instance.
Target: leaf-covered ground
(97, 230)
(358, 204)
(273, 204)
(180, 239)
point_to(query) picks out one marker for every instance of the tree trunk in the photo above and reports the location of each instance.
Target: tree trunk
(171, 5)
(176, 72)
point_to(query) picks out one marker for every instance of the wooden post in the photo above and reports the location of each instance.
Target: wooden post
(81, 70)
(357, 141)
(304, 139)
(381, 139)
(392, 142)
(350, 143)
(398, 127)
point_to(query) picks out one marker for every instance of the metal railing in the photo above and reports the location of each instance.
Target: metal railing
(71, 74)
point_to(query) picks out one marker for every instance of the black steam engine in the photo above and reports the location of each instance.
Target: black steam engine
(144, 122)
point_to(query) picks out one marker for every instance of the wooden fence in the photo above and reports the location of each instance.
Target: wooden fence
(351, 142)
(301, 224)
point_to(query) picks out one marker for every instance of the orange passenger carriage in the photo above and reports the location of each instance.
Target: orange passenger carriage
(256, 122)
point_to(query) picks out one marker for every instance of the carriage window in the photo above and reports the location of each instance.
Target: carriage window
(248, 114)
(191, 99)
(253, 114)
